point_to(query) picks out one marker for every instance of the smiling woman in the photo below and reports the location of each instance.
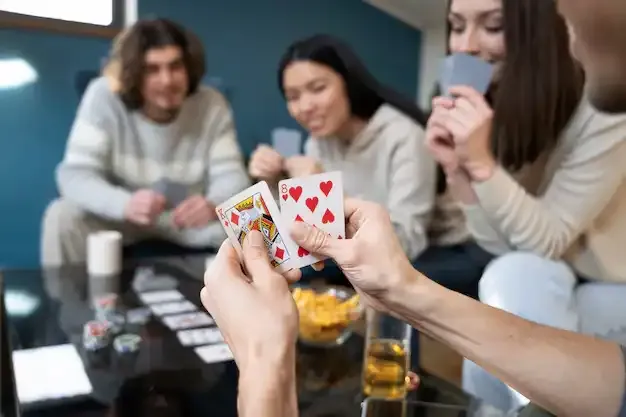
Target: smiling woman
(97, 17)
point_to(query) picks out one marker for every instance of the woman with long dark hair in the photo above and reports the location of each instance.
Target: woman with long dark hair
(538, 173)
(371, 133)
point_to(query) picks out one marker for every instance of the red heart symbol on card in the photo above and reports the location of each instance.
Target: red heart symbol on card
(295, 192)
(339, 237)
(311, 203)
(302, 252)
(298, 218)
(326, 187)
(328, 217)
(285, 197)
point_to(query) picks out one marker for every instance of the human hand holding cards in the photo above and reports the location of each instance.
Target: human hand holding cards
(187, 211)
(317, 200)
(463, 116)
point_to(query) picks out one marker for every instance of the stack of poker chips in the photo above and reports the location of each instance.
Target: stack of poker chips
(105, 306)
(127, 343)
(96, 335)
(137, 318)
(127, 348)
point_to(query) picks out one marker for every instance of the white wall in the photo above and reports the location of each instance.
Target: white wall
(432, 51)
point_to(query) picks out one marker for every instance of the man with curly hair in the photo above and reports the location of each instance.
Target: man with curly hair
(146, 126)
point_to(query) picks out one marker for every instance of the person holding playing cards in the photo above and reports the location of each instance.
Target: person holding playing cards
(567, 373)
(539, 173)
(151, 150)
(369, 132)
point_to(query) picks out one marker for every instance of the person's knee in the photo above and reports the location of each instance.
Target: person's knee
(519, 280)
(62, 217)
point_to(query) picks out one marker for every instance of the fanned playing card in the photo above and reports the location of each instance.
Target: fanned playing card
(463, 69)
(255, 209)
(316, 200)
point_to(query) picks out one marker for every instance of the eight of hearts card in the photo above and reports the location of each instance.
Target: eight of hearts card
(255, 209)
(316, 200)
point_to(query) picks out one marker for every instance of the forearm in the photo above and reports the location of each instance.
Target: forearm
(460, 187)
(268, 391)
(567, 373)
(93, 193)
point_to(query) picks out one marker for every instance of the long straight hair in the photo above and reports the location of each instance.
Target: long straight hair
(365, 93)
(540, 87)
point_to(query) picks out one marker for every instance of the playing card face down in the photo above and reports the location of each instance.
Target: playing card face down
(152, 297)
(463, 69)
(215, 353)
(255, 209)
(197, 337)
(316, 200)
(172, 307)
(287, 142)
(188, 320)
(174, 192)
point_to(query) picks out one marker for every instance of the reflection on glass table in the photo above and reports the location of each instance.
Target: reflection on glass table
(49, 308)
(374, 407)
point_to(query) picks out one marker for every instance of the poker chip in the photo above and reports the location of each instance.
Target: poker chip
(138, 316)
(96, 334)
(106, 302)
(127, 343)
(116, 322)
(105, 305)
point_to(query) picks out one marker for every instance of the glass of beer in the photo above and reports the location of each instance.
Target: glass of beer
(387, 355)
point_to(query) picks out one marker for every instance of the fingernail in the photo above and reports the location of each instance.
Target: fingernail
(300, 230)
(254, 240)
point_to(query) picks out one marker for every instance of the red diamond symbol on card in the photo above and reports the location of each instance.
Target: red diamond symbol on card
(279, 253)
(234, 217)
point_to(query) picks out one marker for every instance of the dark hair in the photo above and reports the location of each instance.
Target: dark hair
(126, 66)
(365, 93)
(540, 86)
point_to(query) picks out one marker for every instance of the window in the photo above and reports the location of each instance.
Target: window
(96, 17)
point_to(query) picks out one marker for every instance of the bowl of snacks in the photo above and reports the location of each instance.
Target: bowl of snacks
(327, 314)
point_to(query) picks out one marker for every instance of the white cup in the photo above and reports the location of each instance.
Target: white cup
(104, 253)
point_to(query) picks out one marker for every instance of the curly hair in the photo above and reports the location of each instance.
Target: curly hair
(125, 67)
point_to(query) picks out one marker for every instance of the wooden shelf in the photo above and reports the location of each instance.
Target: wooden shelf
(15, 21)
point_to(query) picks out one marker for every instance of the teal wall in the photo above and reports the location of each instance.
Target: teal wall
(243, 39)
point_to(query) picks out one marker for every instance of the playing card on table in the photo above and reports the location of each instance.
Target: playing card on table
(197, 337)
(215, 353)
(255, 209)
(172, 307)
(152, 297)
(463, 69)
(188, 320)
(316, 200)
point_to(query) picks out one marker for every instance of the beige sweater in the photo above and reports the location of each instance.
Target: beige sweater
(387, 163)
(570, 205)
(111, 152)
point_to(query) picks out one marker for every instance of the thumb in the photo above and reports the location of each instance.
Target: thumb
(255, 257)
(315, 240)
